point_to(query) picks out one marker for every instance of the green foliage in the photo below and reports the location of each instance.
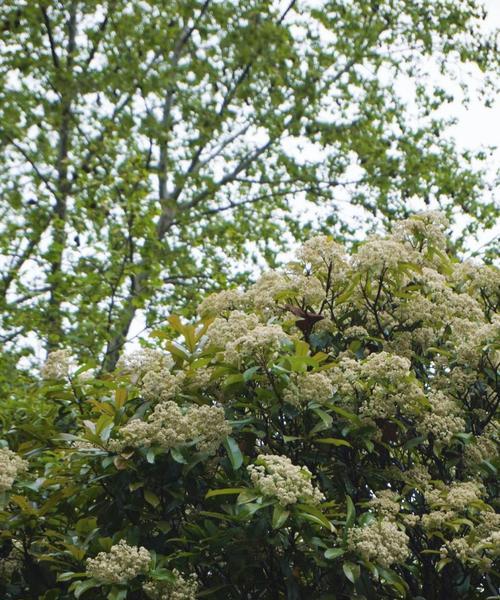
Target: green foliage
(401, 445)
(147, 147)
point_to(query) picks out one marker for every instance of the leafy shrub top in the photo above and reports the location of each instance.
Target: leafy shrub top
(328, 433)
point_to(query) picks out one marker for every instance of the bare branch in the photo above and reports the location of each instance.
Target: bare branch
(46, 20)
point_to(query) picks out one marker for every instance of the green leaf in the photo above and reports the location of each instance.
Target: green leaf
(326, 419)
(249, 373)
(177, 455)
(280, 515)
(332, 441)
(314, 514)
(247, 495)
(346, 414)
(351, 571)
(442, 564)
(234, 452)
(393, 579)
(414, 442)
(117, 594)
(135, 486)
(163, 575)
(332, 553)
(236, 378)
(69, 575)
(351, 513)
(224, 492)
(151, 498)
(80, 587)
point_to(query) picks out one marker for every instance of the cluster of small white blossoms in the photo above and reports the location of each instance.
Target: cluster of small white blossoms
(276, 476)
(261, 343)
(484, 446)
(151, 370)
(308, 387)
(182, 588)
(143, 360)
(426, 228)
(443, 419)
(381, 542)
(469, 340)
(200, 378)
(243, 336)
(449, 502)
(436, 303)
(223, 331)
(482, 281)
(221, 303)
(382, 381)
(168, 426)
(385, 503)
(322, 255)
(58, 365)
(480, 546)
(121, 564)
(379, 254)
(274, 289)
(460, 495)
(11, 466)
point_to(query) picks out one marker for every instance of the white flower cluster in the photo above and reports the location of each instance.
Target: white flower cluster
(380, 254)
(381, 384)
(58, 365)
(460, 495)
(221, 303)
(422, 230)
(323, 254)
(385, 503)
(381, 542)
(222, 331)
(151, 370)
(276, 476)
(469, 339)
(143, 360)
(442, 420)
(483, 281)
(159, 386)
(457, 496)
(436, 519)
(274, 289)
(182, 588)
(121, 564)
(449, 502)
(261, 343)
(11, 466)
(484, 447)
(308, 387)
(480, 546)
(168, 426)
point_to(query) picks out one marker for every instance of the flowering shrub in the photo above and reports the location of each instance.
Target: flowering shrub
(329, 433)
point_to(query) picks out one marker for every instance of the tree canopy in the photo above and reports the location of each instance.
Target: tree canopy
(148, 147)
(330, 433)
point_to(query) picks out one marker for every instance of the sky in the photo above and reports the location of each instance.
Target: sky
(479, 126)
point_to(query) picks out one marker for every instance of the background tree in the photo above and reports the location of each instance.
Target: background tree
(148, 146)
(347, 453)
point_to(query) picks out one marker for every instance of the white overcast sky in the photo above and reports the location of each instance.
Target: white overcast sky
(479, 126)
